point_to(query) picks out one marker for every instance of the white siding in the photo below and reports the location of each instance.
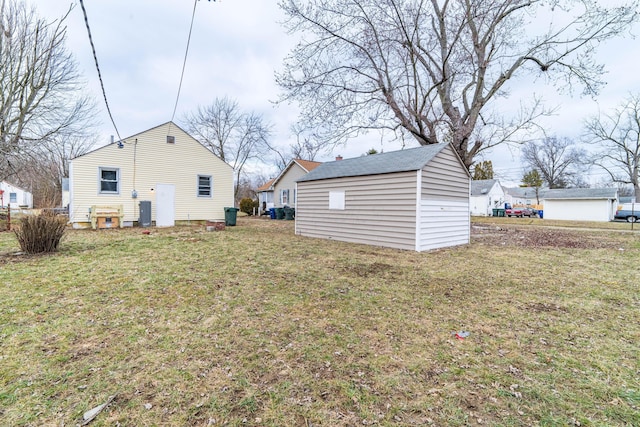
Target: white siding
(579, 210)
(379, 210)
(482, 205)
(443, 223)
(22, 197)
(444, 206)
(156, 161)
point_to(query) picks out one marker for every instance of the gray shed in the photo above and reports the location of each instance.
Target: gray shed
(414, 199)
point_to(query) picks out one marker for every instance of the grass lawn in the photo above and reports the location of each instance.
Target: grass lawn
(254, 326)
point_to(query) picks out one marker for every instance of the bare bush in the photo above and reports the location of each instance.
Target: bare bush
(40, 233)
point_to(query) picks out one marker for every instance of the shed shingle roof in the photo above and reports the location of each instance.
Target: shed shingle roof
(395, 161)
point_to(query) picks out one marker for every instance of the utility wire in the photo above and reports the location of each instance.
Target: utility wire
(184, 64)
(95, 58)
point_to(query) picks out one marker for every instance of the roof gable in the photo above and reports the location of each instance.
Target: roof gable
(307, 165)
(482, 186)
(267, 186)
(131, 140)
(411, 159)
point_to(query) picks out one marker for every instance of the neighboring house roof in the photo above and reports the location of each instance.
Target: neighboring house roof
(8, 184)
(581, 193)
(306, 165)
(482, 186)
(267, 186)
(524, 192)
(563, 193)
(374, 164)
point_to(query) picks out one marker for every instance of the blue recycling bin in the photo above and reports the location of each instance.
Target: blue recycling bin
(540, 214)
(272, 213)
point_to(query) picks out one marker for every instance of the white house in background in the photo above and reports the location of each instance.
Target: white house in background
(265, 195)
(486, 195)
(281, 190)
(415, 199)
(524, 197)
(14, 196)
(581, 204)
(164, 166)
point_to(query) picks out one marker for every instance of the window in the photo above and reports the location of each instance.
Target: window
(109, 181)
(13, 197)
(204, 186)
(284, 197)
(171, 139)
(336, 200)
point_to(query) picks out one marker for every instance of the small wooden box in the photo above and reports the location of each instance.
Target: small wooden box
(108, 222)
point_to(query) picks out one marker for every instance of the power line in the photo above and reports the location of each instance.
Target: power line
(95, 58)
(184, 63)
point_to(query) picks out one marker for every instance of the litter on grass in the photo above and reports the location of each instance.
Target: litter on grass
(461, 334)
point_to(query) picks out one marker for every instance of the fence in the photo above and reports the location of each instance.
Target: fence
(5, 219)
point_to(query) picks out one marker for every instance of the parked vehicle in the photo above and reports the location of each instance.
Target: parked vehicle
(519, 212)
(628, 212)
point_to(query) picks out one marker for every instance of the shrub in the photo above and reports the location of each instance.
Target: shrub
(247, 205)
(40, 233)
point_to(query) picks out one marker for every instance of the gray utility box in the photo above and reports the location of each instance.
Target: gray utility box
(145, 213)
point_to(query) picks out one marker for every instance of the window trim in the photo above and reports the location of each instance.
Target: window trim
(210, 187)
(282, 198)
(101, 180)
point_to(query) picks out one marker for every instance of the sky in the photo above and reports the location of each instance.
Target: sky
(236, 47)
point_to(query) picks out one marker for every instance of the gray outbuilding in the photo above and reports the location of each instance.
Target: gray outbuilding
(414, 199)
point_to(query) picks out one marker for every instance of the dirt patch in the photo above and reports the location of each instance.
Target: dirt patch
(493, 235)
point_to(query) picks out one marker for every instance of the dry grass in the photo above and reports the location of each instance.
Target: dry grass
(255, 326)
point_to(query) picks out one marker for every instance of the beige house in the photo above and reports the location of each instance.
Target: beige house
(161, 176)
(281, 190)
(415, 199)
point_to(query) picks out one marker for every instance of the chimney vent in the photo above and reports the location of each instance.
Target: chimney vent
(338, 157)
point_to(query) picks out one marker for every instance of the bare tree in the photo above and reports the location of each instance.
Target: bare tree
(618, 137)
(39, 85)
(42, 173)
(234, 136)
(307, 146)
(557, 160)
(434, 69)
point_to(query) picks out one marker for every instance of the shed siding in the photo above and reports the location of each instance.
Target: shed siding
(443, 223)
(379, 210)
(444, 207)
(157, 162)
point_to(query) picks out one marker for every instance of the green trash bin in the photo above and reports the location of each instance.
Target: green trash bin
(230, 215)
(500, 212)
(495, 212)
(289, 213)
(279, 213)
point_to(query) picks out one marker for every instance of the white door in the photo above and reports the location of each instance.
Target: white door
(165, 205)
